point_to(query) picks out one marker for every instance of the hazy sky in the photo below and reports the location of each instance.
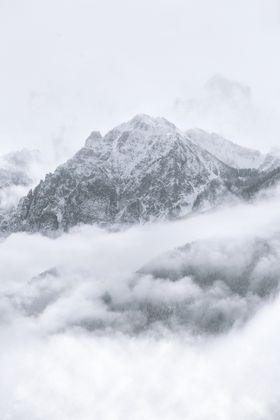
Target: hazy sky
(54, 367)
(68, 67)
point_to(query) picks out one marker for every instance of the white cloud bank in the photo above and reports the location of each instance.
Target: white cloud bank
(55, 364)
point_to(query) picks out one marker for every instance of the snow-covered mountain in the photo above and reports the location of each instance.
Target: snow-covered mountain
(142, 170)
(228, 152)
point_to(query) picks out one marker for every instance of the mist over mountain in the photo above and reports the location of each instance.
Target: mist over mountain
(147, 170)
(18, 173)
(224, 104)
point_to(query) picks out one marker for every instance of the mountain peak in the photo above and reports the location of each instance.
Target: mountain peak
(94, 137)
(144, 169)
(228, 152)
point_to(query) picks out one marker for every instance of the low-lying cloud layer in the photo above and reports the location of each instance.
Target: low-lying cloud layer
(174, 321)
(113, 282)
(115, 327)
(20, 171)
(204, 287)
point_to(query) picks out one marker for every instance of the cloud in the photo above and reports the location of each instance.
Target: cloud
(206, 287)
(81, 327)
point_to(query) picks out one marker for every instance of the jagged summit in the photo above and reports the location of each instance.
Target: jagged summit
(142, 170)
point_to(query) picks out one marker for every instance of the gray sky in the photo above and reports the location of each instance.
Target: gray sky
(71, 66)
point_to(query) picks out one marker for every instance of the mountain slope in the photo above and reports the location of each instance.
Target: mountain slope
(233, 154)
(228, 152)
(142, 170)
(219, 285)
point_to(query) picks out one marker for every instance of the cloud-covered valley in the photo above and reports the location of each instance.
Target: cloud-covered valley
(137, 278)
(141, 324)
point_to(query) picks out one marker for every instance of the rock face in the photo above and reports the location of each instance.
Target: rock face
(142, 170)
(219, 286)
(205, 287)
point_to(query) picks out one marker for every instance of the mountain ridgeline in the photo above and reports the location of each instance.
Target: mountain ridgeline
(142, 170)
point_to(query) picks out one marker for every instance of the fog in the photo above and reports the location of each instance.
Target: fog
(66, 353)
(68, 68)
(73, 376)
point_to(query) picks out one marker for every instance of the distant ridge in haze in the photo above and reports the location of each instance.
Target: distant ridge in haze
(145, 169)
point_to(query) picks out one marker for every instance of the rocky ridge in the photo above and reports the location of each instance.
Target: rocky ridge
(143, 170)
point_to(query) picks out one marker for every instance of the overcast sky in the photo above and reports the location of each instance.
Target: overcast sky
(71, 66)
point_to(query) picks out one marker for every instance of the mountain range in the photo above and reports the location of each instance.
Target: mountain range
(143, 170)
